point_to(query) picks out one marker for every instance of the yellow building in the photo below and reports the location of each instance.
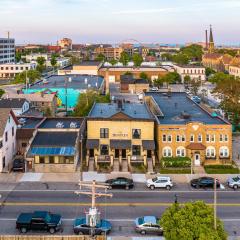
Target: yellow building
(184, 129)
(120, 135)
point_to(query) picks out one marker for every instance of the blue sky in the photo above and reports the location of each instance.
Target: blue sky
(112, 21)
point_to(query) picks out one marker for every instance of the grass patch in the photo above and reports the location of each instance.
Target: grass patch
(175, 171)
(221, 169)
(104, 168)
(138, 168)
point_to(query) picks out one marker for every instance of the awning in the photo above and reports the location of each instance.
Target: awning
(120, 144)
(148, 144)
(51, 151)
(92, 143)
(196, 146)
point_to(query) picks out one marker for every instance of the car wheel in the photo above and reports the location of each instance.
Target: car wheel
(23, 230)
(143, 232)
(110, 187)
(152, 187)
(235, 187)
(52, 230)
(127, 187)
(168, 187)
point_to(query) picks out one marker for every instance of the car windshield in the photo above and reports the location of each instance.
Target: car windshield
(155, 179)
(141, 221)
(236, 179)
(48, 218)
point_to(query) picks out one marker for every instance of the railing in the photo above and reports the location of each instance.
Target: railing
(137, 159)
(104, 159)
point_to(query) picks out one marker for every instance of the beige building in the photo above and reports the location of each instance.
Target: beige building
(65, 44)
(184, 129)
(109, 52)
(120, 135)
(235, 71)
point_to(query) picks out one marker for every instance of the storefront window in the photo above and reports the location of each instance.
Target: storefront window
(136, 150)
(104, 149)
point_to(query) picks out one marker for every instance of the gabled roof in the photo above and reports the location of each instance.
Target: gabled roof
(4, 115)
(12, 102)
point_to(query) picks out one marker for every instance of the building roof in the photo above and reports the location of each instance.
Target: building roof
(77, 82)
(89, 63)
(189, 66)
(5, 112)
(178, 108)
(64, 123)
(12, 102)
(29, 122)
(32, 97)
(113, 110)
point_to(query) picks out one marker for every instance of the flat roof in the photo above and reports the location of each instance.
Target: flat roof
(77, 82)
(180, 109)
(133, 110)
(89, 63)
(63, 123)
(29, 122)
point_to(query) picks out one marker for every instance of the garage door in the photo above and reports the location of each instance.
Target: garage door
(111, 79)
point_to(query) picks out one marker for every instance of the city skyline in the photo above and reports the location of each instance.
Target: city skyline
(109, 21)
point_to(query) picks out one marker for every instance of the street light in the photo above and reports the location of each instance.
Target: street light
(67, 80)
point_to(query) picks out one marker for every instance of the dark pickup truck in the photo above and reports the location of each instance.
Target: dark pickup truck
(39, 221)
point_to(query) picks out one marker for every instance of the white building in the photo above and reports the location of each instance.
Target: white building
(10, 70)
(8, 127)
(18, 106)
(35, 56)
(61, 62)
(7, 50)
(234, 70)
(194, 72)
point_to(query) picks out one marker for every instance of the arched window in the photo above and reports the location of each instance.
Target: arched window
(210, 152)
(180, 152)
(224, 152)
(167, 152)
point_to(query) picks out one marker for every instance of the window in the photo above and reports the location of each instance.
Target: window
(183, 138)
(164, 138)
(199, 137)
(178, 138)
(208, 138)
(51, 159)
(192, 138)
(221, 138)
(226, 138)
(210, 152)
(104, 149)
(167, 152)
(24, 144)
(212, 138)
(136, 133)
(104, 133)
(41, 160)
(136, 150)
(169, 138)
(13, 130)
(6, 136)
(224, 152)
(180, 152)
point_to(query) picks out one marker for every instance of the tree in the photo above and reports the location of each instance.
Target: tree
(166, 57)
(191, 221)
(194, 52)
(1, 92)
(124, 58)
(53, 61)
(32, 76)
(18, 56)
(219, 77)
(181, 58)
(187, 80)
(143, 75)
(194, 86)
(41, 64)
(47, 112)
(137, 59)
(228, 91)
(169, 78)
(113, 61)
(209, 71)
(100, 57)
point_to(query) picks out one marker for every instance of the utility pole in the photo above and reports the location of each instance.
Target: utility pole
(215, 203)
(93, 216)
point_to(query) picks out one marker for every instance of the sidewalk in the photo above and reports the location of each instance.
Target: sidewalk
(99, 177)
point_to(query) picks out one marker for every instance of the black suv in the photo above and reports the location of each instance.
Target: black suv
(204, 182)
(120, 182)
(18, 165)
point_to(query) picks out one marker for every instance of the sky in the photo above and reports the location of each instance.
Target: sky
(116, 21)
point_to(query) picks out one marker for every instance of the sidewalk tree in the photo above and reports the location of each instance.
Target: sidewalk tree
(194, 86)
(187, 80)
(181, 59)
(137, 59)
(219, 77)
(113, 62)
(41, 64)
(124, 58)
(1, 92)
(191, 221)
(100, 57)
(53, 61)
(143, 75)
(209, 71)
(32, 76)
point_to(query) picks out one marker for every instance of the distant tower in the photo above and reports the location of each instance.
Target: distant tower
(206, 43)
(211, 41)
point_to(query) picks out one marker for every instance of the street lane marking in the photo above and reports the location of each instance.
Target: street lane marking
(113, 204)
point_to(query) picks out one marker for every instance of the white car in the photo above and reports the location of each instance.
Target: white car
(154, 89)
(160, 182)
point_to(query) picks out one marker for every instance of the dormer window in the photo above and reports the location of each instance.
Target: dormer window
(136, 133)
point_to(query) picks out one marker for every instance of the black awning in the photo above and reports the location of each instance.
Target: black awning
(92, 143)
(148, 145)
(120, 144)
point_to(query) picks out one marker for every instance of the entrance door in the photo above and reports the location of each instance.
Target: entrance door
(91, 153)
(124, 154)
(116, 153)
(149, 153)
(197, 159)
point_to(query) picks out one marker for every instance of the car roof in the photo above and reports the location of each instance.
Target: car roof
(150, 219)
(163, 177)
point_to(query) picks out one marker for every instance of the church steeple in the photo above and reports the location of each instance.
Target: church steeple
(211, 41)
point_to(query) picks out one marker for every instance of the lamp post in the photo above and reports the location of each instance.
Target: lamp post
(67, 80)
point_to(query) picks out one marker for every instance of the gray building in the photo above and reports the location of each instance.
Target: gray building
(7, 50)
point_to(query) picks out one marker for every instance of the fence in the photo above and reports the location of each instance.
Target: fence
(38, 237)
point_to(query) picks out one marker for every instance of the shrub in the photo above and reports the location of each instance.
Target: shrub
(176, 162)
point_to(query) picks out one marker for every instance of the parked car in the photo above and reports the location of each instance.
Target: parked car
(204, 182)
(120, 182)
(148, 224)
(39, 221)
(80, 227)
(196, 99)
(234, 182)
(18, 165)
(160, 182)
(154, 89)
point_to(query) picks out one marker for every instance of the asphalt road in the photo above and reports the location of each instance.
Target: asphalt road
(121, 209)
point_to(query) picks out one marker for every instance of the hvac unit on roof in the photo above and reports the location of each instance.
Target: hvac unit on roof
(22, 120)
(60, 125)
(89, 85)
(86, 80)
(73, 125)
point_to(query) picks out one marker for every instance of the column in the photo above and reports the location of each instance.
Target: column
(145, 160)
(111, 160)
(153, 158)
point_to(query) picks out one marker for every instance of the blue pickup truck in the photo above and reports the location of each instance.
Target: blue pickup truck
(39, 221)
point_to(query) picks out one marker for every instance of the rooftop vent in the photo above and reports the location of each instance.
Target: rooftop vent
(60, 125)
(73, 125)
(86, 80)
(22, 120)
(185, 115)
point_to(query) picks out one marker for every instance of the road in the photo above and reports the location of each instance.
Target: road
(121, 210)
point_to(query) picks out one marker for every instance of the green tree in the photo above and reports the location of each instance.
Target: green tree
(187, 80)
(137, 59)
(41, 61)
(18, 56)
(113, 61)
(191, 221)
(194, 52)
(100, 57)
(1, 92)
(32, 76)
(167, 57)
(181, 58)
(124, 58)
(194, 86)
(219, 77)
(53, 61)
(143, 75)
(209, 71)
